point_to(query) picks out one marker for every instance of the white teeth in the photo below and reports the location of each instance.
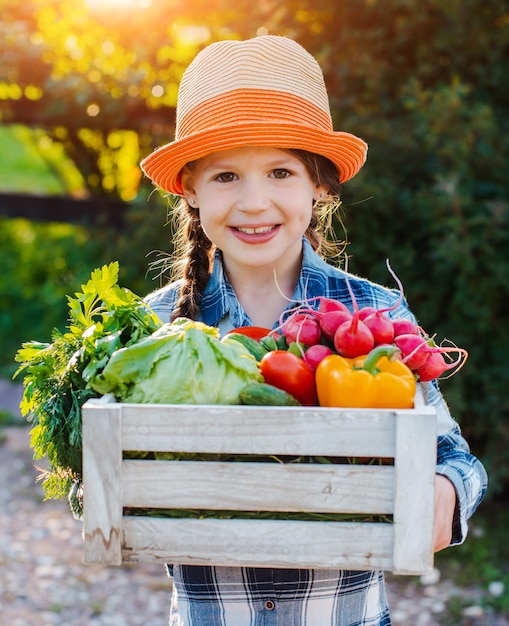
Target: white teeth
(255, 231)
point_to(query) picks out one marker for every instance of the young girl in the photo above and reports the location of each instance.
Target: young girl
(256, 162)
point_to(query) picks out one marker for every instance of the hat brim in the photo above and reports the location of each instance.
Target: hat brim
(164, 165)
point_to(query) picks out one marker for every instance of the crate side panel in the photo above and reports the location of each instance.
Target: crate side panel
(415, 465)
(259, 486)
(255, 543)
(255, 430)
(102, 484)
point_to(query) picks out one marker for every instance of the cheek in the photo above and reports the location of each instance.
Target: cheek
(209, 221)
(307, 215)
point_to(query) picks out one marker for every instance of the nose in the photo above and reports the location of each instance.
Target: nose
(253, 196)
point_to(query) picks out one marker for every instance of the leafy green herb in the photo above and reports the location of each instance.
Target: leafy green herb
(58, 375)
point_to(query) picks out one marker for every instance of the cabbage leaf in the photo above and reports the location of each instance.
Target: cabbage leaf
(183, 362)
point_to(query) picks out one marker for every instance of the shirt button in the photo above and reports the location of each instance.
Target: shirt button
(270, 605)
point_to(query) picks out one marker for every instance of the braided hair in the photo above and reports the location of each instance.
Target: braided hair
(195, 251)
(194, 264)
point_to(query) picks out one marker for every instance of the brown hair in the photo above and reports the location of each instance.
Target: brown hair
(192, 262)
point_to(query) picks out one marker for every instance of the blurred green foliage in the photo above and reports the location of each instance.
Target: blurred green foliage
(426, 84)
(42, 263)
(30, 162)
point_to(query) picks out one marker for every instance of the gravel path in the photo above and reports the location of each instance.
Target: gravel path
(43, 581)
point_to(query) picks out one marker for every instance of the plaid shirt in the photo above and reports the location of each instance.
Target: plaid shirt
(226, 596)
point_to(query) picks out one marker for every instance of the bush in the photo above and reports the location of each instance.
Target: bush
(440, 213)
(43, 262)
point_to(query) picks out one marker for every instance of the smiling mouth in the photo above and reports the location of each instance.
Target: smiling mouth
(255, 230)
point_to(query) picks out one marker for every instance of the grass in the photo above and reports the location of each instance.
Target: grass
(31, 163)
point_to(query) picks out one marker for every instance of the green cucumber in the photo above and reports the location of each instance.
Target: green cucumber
(263, 394)
(254, 347)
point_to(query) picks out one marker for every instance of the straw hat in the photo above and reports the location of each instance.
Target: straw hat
(265, 91)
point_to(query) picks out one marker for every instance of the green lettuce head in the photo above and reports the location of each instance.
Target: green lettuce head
(184, 362)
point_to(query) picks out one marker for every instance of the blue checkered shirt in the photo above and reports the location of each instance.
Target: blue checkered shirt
(244, 596)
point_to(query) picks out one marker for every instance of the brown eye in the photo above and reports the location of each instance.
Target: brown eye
(281, 173)
(226, 177)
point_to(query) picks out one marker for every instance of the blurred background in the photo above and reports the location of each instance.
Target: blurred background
(88, 88)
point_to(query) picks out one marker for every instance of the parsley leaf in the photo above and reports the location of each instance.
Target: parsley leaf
(57, 376)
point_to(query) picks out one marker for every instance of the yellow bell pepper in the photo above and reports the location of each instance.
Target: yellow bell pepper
(378, 380)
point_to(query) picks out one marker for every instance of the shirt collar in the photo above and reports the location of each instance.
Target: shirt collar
(219, 299)
(313, 275)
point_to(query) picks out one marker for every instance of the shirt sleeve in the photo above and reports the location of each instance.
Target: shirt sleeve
(162, 302)
(455, 462)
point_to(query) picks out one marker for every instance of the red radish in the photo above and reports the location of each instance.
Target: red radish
(353, 338)
(404, 327)
(415, 350)
(368, 326)
(331, 321)
(315, 354)
(381, 327)
(327, 305)
(366, 311)
(433, 367)
(435, 364)
(302, 328)
(329, 316)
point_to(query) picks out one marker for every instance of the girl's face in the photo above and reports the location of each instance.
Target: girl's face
(255, 204)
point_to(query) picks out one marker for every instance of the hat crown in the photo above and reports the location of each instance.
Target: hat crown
(263, 64)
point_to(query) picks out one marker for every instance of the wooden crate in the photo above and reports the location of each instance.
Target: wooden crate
(404, 489)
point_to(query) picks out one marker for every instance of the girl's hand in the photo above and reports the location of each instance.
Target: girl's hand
(445, 505)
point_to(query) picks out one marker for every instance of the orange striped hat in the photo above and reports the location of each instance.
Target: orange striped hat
(265, 91)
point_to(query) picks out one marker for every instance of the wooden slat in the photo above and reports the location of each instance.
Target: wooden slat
(256, 430)
(258, 544)
(415, 462)
(258, 486)
(102, 482)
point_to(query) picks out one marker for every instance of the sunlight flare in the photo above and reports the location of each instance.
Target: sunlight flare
(139, 4)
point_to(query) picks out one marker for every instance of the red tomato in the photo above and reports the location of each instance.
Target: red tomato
(255, 332)
(289, 372)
